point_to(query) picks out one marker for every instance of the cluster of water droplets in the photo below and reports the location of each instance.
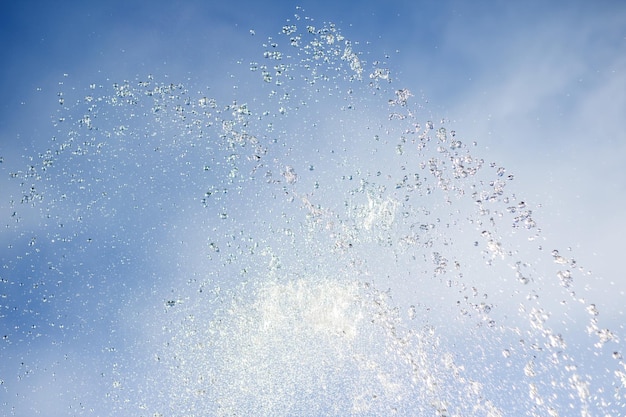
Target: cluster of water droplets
(316, 245)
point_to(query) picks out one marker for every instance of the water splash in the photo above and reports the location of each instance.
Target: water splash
(266, 247)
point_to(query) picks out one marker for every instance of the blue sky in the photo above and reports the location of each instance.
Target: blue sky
(540, 87)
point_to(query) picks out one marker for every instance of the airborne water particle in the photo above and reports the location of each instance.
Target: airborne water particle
(290, 174)
(592, 309)
(412, 312)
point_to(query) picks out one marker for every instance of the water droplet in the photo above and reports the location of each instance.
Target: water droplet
(412, 312)
(565, 278)
(592, 309)
(529, 369)
(290, 174)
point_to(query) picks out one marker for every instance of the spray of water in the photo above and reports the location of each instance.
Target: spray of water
(317, 245)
